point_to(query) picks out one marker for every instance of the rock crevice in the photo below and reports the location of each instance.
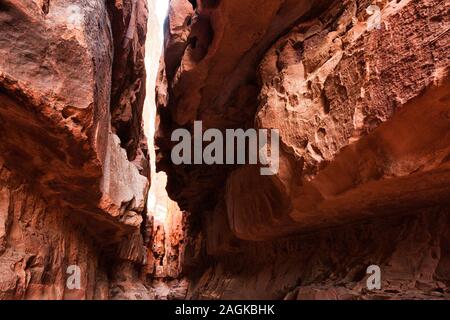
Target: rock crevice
(359, 94)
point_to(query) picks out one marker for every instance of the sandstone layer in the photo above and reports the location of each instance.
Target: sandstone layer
(360, 96)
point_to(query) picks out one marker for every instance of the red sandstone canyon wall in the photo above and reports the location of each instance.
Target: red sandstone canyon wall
(74, 161)
(362, 112)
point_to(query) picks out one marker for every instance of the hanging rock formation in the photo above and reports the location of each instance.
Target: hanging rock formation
(359, 92)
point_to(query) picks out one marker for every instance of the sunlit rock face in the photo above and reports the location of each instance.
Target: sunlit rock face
(362, 107)
(74, 163)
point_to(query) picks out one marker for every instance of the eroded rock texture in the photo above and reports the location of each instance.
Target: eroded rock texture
(363, 114)
(73, 157)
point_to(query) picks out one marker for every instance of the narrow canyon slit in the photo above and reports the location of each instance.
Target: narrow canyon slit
(165, 219)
